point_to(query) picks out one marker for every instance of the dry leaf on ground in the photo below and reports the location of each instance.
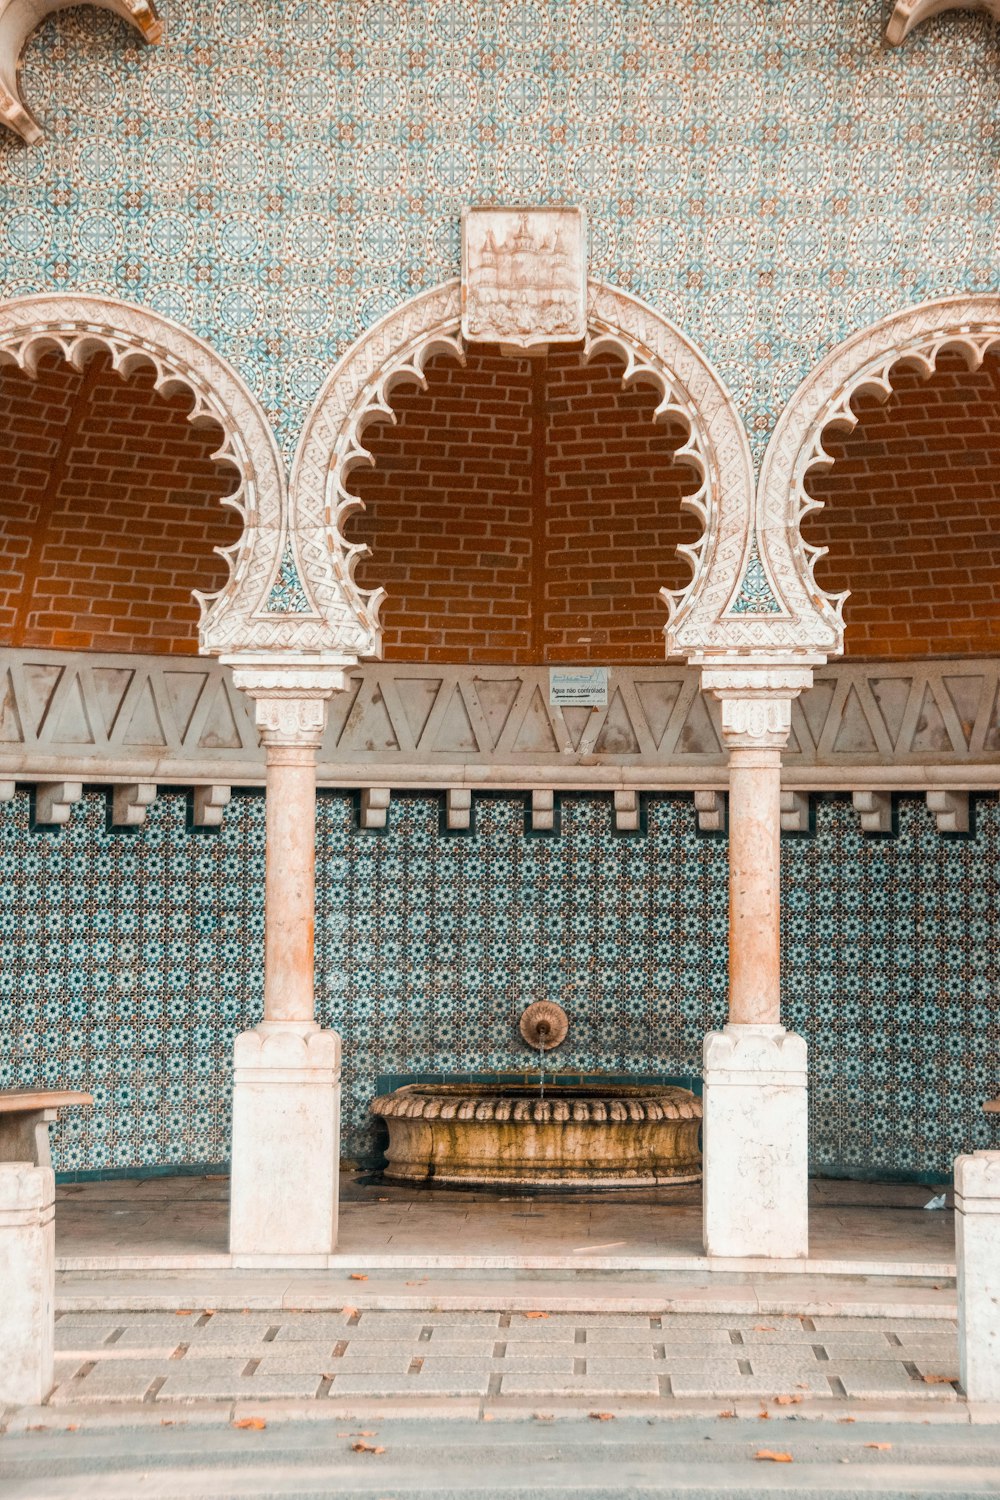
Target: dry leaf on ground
(543, 1416)
(601, 1416)
(939, 1379)
(847, 1419)
(787, 1400)
(763, 1328)
(366, 1448)
(771, 1457)
(255, 1424)
(349, 1312)
(727, 1414)
(536, 1315)
(183, 1312)
(366, 1432)
(358, 1276)
(882, 1447)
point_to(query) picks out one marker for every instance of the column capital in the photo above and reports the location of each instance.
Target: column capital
(290, 693)
(756, 700)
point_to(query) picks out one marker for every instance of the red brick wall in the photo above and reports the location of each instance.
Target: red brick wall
(912, 516)
(524, 510)
(109, 514)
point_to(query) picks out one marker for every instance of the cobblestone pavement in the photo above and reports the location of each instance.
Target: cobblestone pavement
(201, 1355)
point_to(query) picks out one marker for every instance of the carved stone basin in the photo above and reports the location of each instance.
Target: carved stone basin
(500, 1135)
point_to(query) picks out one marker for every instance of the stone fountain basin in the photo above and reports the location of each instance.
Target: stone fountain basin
(505, 1135)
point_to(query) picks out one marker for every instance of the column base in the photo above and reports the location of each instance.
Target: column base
(27, 1276)
(977, 1249)
(756, 1143)
(285, 1177)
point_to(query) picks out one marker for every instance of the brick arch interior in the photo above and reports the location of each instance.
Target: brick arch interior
(524, 509)
(110, 511)
(912, 515)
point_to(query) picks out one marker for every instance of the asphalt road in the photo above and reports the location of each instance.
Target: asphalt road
(517, 1460)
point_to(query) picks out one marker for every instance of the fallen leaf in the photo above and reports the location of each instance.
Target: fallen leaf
(772, 1457)
(765, 1415)
(366, 1432)
(601, 1416)
(255, 1424)
(358, 1276)
(847, 1419)
(73, 1427)
(536, 1315)
(488, 1416)
(423, 1282)
(209, 1312)
(939, 1379)
(166, 1421)
(727, 1414)
(543, 1416)
(787, 1400)
(349, 1312)
(366, 1448)
(183, 1312)
(881, 1447)
(763, 1328)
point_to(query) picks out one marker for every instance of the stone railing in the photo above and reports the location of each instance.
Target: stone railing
(139, 722)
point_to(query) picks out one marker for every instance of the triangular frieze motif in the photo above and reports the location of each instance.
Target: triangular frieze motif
(418, 696)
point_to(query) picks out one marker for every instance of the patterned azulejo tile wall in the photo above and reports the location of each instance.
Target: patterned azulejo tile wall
(129, 961)
(279, 173)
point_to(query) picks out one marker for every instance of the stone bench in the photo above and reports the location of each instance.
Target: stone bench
(27, 1240)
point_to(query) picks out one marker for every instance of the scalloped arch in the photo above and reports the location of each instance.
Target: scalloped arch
(237, 617)
(397, 348)
(862, 364)
(909, 14)
(19, 18)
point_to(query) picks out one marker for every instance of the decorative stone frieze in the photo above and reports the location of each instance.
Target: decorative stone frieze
(19, 18)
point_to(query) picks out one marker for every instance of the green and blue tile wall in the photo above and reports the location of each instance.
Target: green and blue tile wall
(129, 960)
(280, 173)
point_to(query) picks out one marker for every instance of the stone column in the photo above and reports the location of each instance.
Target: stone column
(284, 1185)
(977, 1253)
(755, 1133)
(27, 1275)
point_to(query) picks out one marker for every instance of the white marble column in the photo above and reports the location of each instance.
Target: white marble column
(284, 1185)
(977, 1254)
(756, 1127)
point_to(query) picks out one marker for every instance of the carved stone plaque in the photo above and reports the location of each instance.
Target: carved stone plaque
(524, 276)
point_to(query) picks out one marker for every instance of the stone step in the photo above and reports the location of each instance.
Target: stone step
(648, 1293)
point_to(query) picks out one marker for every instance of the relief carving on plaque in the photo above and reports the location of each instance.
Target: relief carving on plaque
(524, 276)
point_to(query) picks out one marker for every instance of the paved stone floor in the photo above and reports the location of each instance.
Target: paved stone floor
(197, 1355)
(181, 1222)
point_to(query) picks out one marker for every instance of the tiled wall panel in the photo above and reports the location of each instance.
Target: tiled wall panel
(128, 962)
(280, 173)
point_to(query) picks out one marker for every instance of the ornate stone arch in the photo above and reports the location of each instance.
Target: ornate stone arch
(19, 18)
(908, 14)
(241, 616)
(863, 364)
(396, 349)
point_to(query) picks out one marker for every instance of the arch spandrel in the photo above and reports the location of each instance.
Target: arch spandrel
(239, 616)
(19, 18)
(862, 364)
(397, 347)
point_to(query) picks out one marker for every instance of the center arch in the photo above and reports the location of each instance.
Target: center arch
(397, 350)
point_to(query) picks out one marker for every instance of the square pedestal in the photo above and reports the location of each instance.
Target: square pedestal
(286, 1146)
(977, 1249)
(27, 1279)
(756, 1143)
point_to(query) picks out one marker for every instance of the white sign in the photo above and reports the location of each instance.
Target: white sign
(578, 687)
